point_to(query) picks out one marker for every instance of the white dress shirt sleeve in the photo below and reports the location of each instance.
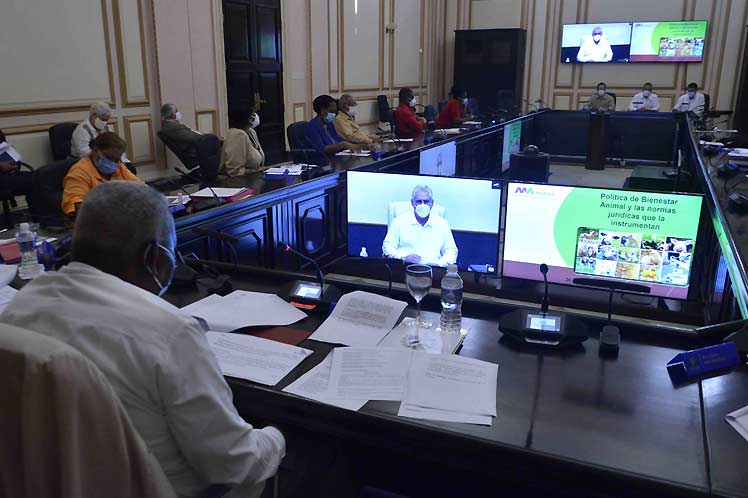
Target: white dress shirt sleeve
(449, 249)
(198, 404)
(608, 50)
(79, 143)
(391, 244)
(635, 102)
(654, 102)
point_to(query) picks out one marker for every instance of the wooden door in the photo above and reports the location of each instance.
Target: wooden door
(254, 69)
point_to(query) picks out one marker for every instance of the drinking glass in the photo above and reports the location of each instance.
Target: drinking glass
(418, 281)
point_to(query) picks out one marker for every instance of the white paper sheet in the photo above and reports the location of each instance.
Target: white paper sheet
(173, 200)
(360, 319)
(453, 383)
(6, 148)
(221, 192)
(368, 373)
(471, 123)
(396, 140)
(293, 170)
(314, 384)
(449, 131)
(7, 273)
(252, 358)
(347, 152)
(419, 412)
(7, 293)
(244, 309)
(739, 421)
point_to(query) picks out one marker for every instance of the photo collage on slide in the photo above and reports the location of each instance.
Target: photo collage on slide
(645, 257)
(677, 47)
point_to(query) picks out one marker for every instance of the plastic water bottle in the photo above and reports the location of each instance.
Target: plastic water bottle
(30, 267)
(451, 318)
(363, 253)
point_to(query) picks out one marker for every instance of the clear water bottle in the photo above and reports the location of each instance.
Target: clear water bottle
(363, 253)
(451, 318)
(30, 267)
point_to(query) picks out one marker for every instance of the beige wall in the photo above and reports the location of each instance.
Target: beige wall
(562, 86)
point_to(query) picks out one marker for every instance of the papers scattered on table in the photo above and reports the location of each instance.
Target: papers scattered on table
(432, 341)
(219, 191)
(450, 388)
(402, 140)
(243, 309)
(7, 293)
(314, 384)
(286, 169)
(259, 360)
(472, 123)
(449, 131)
(360, 319)
(739, 421)
(347, 152)
(7, 274)
(368, 373)
(8, 153)
(177, 200)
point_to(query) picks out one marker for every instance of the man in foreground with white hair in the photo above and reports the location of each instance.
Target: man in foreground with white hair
(105, 304)
(90, 128)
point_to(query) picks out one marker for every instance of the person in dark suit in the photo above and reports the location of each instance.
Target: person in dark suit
(183, 137)
(17, 182)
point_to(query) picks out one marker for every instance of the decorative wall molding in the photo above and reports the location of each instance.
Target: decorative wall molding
(205, 112)
(127, 99)
(299, 111)
(128, 122)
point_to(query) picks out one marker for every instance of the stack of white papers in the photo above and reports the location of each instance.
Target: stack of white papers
(314, 385)
(7, 293)
(244, 309)
(9, 153)
(739, 421)
(347, 152)
(369, 373)
(7, 273)
(252, 358)
(219, 192)
(451, 389)
(360, 319)
(290, 169)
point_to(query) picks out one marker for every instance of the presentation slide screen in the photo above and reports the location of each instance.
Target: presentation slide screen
(512, 143)
(392, 215)
(439, 161)
(644, 237)
(681, 41)
(596, 42)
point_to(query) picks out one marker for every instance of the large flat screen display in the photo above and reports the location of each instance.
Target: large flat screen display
(512, 143)
(427, 219)
(651, 41)
(644, 237)
(439, 161)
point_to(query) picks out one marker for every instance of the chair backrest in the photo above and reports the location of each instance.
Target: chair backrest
(396, 208)
(65, 431)
(172, 146)
(441, 105)
(385, 110)
(707, 103)
(208, 157)
(48, 192)
(60, 136)
(296, 133)
(615, 97)
(429, 113)
(473, 107)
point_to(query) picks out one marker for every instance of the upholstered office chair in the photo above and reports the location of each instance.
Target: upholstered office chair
(48, 193)
(188, 162)
(707, 104)
(60, 136)
(615, 99)
(7, 198)
(300, 148)
(396, 208)
(386, 113)
(64, 430)
(208, 157)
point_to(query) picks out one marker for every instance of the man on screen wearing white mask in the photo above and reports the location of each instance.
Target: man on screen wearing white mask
(346, 125)
(595, 48)
(692, 101)
(421, 236)
(90, 128)
(242, 152)
(601, 101)
(182, 136)
(645, 100)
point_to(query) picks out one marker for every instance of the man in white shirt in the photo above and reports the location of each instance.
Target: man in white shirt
(421, 236)
(88, 129)
(645, 100)
(105, 304)
(692, 101)
(595, 48)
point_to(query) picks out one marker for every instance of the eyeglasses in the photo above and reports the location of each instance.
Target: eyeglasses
(422, 201)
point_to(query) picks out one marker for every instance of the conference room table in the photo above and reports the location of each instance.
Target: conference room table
(569, 423)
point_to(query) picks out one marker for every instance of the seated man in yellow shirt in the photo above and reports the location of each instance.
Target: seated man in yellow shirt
(102, 165)
(346, 125)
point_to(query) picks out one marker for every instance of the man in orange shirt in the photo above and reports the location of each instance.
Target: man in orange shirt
(407, 124)
(453, 115)
(102, 165)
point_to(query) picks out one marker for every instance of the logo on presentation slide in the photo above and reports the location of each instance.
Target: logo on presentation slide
(533, 191)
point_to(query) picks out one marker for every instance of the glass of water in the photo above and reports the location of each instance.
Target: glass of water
(418, 280)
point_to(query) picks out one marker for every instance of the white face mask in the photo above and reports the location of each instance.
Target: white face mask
(423, 210)
(647, 93)
(691, 95)
(601, 92)
(178, 116)
(597, 38)
(99, 124)
(352, 111)
(465, 101)
(413, 102)
(255, 121)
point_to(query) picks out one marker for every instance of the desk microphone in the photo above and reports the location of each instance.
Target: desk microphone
(287, 248)
(198, 180)
(544, 303)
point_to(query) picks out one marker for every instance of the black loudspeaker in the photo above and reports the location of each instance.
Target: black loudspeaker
(490, 64)
(528, 167)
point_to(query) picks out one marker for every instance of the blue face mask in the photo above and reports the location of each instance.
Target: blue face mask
(330, 117)
(107, 166)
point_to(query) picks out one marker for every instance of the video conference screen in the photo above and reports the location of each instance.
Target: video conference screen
(439, 161)
(666, 41)
(587, 232)
(425, 219)
(512, 143)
